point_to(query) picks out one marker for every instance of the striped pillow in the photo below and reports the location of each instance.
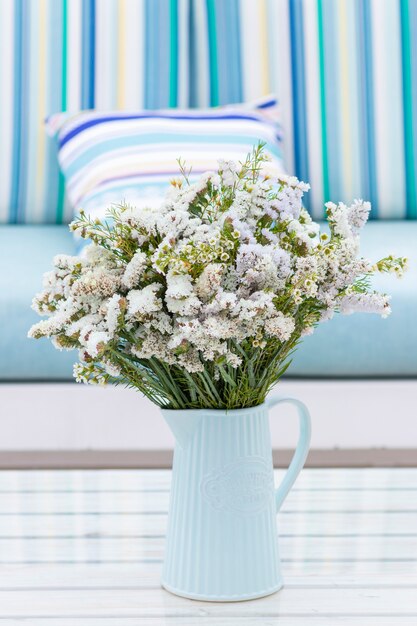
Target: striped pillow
(113, 157)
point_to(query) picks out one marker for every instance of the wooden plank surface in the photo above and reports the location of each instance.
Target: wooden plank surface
(151, 549)
(85, 547)
(127, 480)
(157, 603)
(146, 575)
(97, 502)
(345, 524)
(311, 620)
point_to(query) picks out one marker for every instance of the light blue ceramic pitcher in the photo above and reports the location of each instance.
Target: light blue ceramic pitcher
(222, 541)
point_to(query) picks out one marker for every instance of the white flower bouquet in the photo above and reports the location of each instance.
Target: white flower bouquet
(201, 303)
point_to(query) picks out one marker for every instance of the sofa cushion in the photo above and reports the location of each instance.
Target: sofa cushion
(358, 345)
(25, 254)
(364, 344)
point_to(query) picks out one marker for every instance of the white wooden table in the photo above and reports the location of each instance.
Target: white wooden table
(84, 548)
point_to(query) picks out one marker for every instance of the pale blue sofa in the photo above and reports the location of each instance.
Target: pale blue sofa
(347, 346)
(209, 52)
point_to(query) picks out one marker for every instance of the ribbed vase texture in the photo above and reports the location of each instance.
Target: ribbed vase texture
(222, 541)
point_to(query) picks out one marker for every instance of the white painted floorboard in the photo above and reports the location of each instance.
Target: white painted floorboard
(85, 548)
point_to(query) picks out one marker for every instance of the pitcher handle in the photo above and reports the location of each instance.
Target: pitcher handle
(301, 451)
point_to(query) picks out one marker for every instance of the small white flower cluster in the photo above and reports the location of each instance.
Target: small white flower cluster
(229, 267)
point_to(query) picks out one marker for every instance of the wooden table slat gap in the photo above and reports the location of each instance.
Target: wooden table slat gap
(164, 513)
(294, 535)
(167, 490)
(154, 587)
(150, 560)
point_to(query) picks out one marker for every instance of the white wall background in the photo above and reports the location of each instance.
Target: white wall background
(345, 414)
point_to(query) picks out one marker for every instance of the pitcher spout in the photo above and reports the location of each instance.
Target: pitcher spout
(183, 424)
